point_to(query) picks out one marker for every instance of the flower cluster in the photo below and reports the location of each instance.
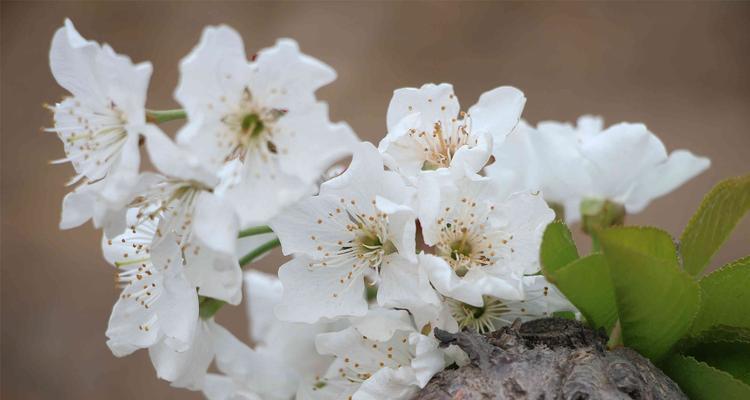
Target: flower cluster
(439, 226)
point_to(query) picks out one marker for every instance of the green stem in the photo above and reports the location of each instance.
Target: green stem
(259, 251)
(595, 246)
(255, 230)
(159, 116)
(209, 306)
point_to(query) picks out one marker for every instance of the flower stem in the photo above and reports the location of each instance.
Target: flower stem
(259, 251)
(159, 116)
(209, 306)
(255, 230)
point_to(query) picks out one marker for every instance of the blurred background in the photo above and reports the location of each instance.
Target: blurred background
(681, 68)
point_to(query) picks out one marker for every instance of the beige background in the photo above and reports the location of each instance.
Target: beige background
(682, 68)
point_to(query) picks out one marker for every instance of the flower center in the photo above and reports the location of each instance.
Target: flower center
(370, 242)
(464, 247)
(92, 138)
(251, 127)
(440, 146)
(486, 318)
(466, 239)
(173, 202)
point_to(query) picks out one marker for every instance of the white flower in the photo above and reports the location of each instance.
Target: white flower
(389, 360)
(360, 226)
(284, 355)
(427, 130)
(157, 303)
(541, 299)
(158, 307)
(186, 207)
(100, 126)
(483, 241)
(625, 164)
(258, 123)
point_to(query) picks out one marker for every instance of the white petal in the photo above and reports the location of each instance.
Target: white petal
(428, 359)
(544, 160)
(72, 60)
(260, 191)
(185, 369)
(125, 331)
(387, 383)
(404, 284)
(542, 298)
(123, 174)
(263, 292)
(365, 179)
(177, 308)
(326, 389)
(78, 207)
(303, 227)
(401, 227)
(259, 372)
(589, 126)
(381, 324)
(434, 103)
(216, 275)
(286, 78)
(309, 142)
(471, 287)
(429, 201)
(472, 159)
(681, 166)
(398, 149)
(525, 216)
(620, 156)
(215, 223)
(434, 316)
(293, 344)
(97, 75)
(216, 67)
(497, 112)
(172, 160)
(311, 293)
(219, 387)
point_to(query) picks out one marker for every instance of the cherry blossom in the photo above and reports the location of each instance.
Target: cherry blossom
(360, 227)
(484, 240)
(624, 163)
(100, 125)
(258, 123)
(427, 130)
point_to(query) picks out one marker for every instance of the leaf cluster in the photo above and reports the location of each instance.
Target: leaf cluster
(650, 292)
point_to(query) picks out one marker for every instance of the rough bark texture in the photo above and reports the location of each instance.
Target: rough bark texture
(549, 358)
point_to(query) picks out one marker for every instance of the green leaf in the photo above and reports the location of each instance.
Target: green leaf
(718, 214)
(586, 283)
(726, 297)
(558, 248)
(732, 357)
(656, 300)
(716, 333)
(701, 381)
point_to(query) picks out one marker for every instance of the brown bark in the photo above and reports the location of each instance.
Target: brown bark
(550, 358)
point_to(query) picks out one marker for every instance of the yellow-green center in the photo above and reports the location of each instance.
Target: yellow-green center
(252, 125)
